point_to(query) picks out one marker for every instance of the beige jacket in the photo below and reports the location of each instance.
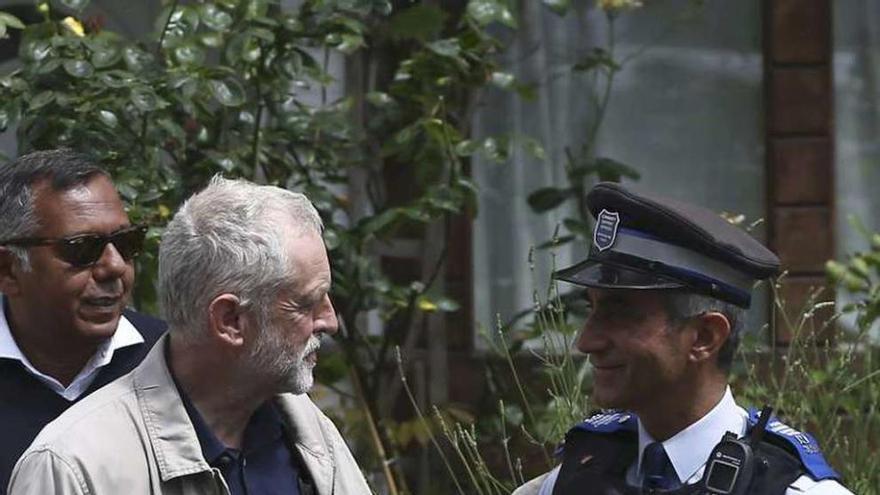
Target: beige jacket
(134, 437)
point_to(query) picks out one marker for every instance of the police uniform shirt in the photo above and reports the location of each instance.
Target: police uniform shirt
(689, 449)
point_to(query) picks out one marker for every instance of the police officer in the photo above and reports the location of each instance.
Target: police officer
(668, 284)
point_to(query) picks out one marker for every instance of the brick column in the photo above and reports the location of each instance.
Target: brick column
(799, 139)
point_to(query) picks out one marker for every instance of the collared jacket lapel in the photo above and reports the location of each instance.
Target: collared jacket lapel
(134, 437)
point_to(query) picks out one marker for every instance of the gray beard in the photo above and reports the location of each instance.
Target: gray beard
(300, 378)
(289, 369)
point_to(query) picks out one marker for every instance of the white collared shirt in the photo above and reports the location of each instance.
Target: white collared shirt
(689, 449)
(126, 335)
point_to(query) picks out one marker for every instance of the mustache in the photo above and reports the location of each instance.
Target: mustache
(312, 345)
(109, 290)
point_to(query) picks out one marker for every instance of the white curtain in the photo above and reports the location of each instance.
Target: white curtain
(686, 113)
(857, 121)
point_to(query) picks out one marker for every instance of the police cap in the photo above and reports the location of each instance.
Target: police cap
(644, 241)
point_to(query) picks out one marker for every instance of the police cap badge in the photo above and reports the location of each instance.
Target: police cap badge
(644, 241)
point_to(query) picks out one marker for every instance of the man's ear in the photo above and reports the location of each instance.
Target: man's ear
(712, 329)
(10, 267)
(227, 320)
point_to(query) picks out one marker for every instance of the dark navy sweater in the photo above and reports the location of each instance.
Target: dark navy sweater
(27, 405)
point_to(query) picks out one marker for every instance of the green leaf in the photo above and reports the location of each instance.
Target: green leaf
(5, 118)
(379, 223)
(379, 99)
(466, 147)
(534, 148)
(136, 59)
(213, 40)
(189, 54)
(256, 8)
(244, 47)
(9, 20)
(263, 34)
(36, 50)
(116, 78)
(332, 367)
(383, 7)
(331, 239)
(228, 92)
(183, 21)
(127, 191)
(485, 12)
(548, 198)
(599, 57)
(214, 17)
(559, 7)
(612, 170)
(79, 68)
(420, 22)
(41, 100)
(48, 67)
(496, 149)
(105, 55)
(577, 227)
(447, 305)
(350, 43)
(503, 80)
(108, 118)
(446, 48)
(144, 99)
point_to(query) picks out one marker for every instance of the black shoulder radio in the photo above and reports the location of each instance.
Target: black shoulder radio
(731, 465)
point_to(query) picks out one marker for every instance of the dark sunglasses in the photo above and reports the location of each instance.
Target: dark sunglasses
(86, 249)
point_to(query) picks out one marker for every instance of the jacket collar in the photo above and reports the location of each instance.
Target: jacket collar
(173, 437)
(169, 429)
(306, 432)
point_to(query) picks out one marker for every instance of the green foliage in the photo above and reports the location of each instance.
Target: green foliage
(832, 391)
(9, 21)
(860, 277)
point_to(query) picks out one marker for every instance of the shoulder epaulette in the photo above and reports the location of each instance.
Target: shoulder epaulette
(609, 422)
(604, 423)
(804, 445)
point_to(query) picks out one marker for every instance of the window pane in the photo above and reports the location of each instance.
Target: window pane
(686, 113)
(857, 121)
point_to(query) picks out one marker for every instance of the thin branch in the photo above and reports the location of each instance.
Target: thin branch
(255, 140)
(165, 27)
(423, 421)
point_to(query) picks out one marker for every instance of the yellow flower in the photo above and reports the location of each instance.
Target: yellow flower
(164, 211)
(427, 306)
(74, 26)
(616, 5)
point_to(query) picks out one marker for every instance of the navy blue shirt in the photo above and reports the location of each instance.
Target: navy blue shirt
(263, 466)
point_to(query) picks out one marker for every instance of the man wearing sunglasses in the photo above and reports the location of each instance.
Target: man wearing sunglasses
(220, 405)
(66, 273)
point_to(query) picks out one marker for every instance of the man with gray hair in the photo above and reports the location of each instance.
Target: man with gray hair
(219, 405)
(67, 253)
